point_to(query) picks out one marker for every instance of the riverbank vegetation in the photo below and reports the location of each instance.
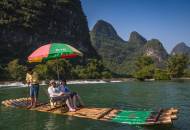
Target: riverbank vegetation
(176, 66)
(94, 69)
(145, 68)
(28, 24)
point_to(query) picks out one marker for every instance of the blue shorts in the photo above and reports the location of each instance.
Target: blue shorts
(34, 90)
(72, 94)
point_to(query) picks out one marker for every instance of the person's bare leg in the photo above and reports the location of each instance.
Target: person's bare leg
(35, 102)
(69, 106)
(70, 101)
(31, 103)
(74, 102)
(80, 100)
(36, 95)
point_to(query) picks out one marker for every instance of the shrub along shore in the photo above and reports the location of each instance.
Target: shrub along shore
(177, 66)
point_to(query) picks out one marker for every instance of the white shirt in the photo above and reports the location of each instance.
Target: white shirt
(54, 92)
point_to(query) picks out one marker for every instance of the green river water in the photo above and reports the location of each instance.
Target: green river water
(128, 95)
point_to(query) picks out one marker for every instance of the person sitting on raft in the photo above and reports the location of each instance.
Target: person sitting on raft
(56, 95)
(75, 97)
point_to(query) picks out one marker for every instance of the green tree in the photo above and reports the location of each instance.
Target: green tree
(161, 74)
(64, 68)
(15, 70)
(79, 72)
(144, 67)
(143, 61)
(146, 72)
(42, 71)
(106, 74)
(94, 69)
(187, 72)
(91, 70)
(176, 65)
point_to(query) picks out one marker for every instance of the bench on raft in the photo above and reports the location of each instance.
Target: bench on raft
(124, 116)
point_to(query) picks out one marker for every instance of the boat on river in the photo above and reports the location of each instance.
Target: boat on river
(125, 116)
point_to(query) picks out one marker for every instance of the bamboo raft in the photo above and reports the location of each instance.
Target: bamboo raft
(162, 116)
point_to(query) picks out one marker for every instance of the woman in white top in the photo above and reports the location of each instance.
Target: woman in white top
(56, 94)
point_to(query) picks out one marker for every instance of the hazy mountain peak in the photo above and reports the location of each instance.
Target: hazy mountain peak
(181, 48)
(118, 55)
(182, 44)
(155, 44)
(135, 37)
(104, 28)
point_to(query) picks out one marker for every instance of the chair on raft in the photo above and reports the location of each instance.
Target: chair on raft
(57, 103)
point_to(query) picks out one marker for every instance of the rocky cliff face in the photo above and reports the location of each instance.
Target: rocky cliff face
(181, 48)
(26, 25)
(155, 49)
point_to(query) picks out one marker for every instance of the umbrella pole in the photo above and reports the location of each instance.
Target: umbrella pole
(57, 70)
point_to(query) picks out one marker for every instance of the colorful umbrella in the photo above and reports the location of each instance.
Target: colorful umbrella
(53, 51)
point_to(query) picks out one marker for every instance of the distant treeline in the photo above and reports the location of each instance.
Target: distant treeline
(175, 67)
(93, 69)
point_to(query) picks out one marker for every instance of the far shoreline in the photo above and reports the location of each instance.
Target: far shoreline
(12, 83)
(70, 81)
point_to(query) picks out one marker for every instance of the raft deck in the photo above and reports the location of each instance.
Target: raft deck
(162, 116)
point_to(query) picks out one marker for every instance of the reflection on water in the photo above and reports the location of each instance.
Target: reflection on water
(53, 122)
(50, 124)
(130, 95)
